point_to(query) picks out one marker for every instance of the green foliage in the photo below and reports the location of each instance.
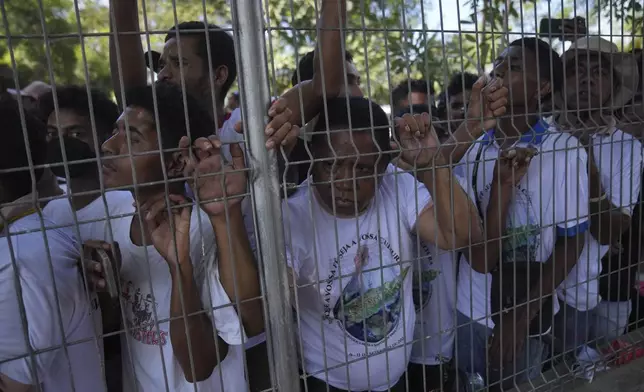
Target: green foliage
(389, 39)
(382, 34)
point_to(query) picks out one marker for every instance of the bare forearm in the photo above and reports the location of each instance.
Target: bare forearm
(485, 256)
(329, 74)
(238, 269)
(460, 141)
(189, 320)
(607, 222)
(124, 18)
(305, 109)
(564, 257)
(453, 208)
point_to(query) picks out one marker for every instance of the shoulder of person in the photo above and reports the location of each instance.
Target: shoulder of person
(34, 249)
(296, 209)
(227, 131)
(561, 143)
(623, 138)
(472, 151)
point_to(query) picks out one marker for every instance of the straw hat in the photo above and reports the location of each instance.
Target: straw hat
(624, 65)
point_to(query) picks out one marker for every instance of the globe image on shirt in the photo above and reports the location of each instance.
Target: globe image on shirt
(521, 244)
(422, 287)
(370, 304)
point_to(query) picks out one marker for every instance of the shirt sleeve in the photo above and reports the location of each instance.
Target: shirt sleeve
(413, 197)
(571, 190)
(217, 303)
(625, 193)
(228, 135)
(214, 298)
(42, 325)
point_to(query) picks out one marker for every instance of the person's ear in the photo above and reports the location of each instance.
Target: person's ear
(176, 165)
(221, 75)
(545, 89)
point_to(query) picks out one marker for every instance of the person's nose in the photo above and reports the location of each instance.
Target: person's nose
(111, 145)
(344, 178)
(165, 74)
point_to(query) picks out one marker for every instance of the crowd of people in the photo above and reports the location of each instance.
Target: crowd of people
(486, 231)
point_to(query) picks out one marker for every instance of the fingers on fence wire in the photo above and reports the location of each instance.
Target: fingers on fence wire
(217, 181)
(417, 140)
(488, 101)
(169, 227)
(102, 265)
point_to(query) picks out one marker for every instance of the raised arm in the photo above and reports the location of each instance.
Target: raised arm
(124, 18)
(610, 216)
(191, 330)
(236, 262)
(328, 59)
(445, 222)
(485, 256)
(487, 102)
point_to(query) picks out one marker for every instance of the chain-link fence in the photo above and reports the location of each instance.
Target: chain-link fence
(329, 195)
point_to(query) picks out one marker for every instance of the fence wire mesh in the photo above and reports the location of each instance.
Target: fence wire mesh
(319, 195)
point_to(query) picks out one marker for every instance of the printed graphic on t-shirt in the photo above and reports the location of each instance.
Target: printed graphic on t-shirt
(369, 307)
(139, 308)
(521, 243)
(422, 279)
(522, 233)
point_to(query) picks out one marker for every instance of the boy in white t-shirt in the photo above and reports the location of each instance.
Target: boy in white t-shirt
(350, 231)
(193, 274)
(43, 301)
(542, 216)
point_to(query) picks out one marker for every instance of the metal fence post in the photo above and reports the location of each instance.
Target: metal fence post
(248, 25)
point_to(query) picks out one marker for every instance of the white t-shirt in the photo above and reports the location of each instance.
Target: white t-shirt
(54, 369)
(551, 200)
(227, 134)
(147, 287)
(434, 295)
(619, 159)
(367, 266)
(434, 290)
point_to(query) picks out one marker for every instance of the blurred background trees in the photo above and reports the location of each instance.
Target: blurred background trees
(407, 37)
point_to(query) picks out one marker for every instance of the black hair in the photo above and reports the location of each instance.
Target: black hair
(14, 153)
(416, 109)
(307, 67)
(363, 113)
(172, 119)
(460, 82)
(222, 48)
(75, 98)
(401, 91)
(546, 57)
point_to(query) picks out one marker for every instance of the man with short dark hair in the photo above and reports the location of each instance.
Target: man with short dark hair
(81, 128)
(178, 335)
(452, 106)
(412, 92)
(184, 57)
(535, 214)
(40, 277)
(306, 70)
(355, 328)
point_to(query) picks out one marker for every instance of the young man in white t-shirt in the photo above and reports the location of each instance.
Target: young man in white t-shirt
(542, 217)
(598, 78)
(43, 301)
(349, 232)
(158, 281)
